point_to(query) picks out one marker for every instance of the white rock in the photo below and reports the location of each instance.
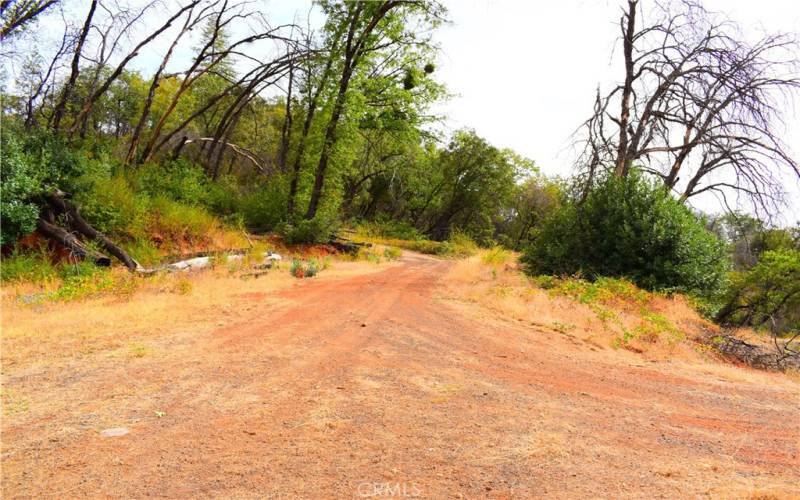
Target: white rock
(115, 432)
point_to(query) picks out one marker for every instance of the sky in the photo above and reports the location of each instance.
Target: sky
(523, 73)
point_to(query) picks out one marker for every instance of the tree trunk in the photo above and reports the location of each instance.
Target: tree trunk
(623, 161)
(68, 240)
(301, 145)
(330, 140)
(77, 222)
(286, 132)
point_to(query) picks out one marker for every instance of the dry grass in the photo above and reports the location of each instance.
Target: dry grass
(614, 315)
(129, 321)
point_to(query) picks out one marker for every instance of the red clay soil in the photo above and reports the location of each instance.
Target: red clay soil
(377, 385)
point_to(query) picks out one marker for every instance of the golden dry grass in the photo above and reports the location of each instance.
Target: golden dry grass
(656, 326)
(127, 321)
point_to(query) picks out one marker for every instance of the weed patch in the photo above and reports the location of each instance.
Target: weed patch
(309, 269)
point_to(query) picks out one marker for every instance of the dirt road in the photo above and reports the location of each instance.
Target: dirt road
(381, 385)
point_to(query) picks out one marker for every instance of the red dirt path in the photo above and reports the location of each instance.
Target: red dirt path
(376, 385)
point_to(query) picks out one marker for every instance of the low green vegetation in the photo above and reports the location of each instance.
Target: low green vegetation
(767, 295)
(392, 253)
(308, 268)
(602, 290)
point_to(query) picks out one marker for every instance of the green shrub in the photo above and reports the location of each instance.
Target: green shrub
(31, 164)
(461, 245)
(300, 269)
(387, 228)
(176, 222)
(265, 208)
(630, 228)
(368, 255)
(766, 295)
(603, 290)
(496, 256)
(179, 180)
(144, 252)
(316, 230)
(111, 206)
(223, 197)
(18, 184)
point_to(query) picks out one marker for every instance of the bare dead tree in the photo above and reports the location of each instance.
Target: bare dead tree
(191, 22)
(698, 107)
(61, 107)
(87, 107)
(118, 22)
(207, 58)
(40, 89)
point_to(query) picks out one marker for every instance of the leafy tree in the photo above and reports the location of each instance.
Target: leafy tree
(631, 227)
(32, 165)
(17, 188)
(371, 28)
(767, 295)
(532, 202)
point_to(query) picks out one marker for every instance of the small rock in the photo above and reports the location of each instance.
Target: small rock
(363, 325)
(114, 432)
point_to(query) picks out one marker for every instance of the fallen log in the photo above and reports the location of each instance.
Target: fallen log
(347, 246)
(196, 263)
(77, 222)
(203, 253)
(69, 240)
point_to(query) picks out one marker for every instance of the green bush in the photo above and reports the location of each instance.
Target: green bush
(265, 208)
(299, 269)
(386, 228)
(144, 251)
(766, 295)
(31, 164)
(175, 222)
(82, 280)
(223, 197)
(603, 290)
(461, 245)
(180, 180)
(392, 253)
(317, 230)
(18, 184)
(630, 228)
(111, 206)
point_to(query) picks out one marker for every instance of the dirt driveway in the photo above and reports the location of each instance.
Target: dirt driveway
(380, 385)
